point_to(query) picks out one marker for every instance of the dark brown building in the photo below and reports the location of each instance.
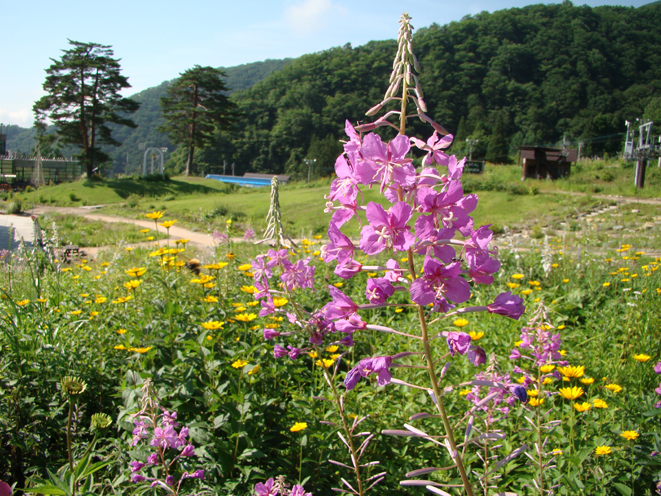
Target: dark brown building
(540, 162)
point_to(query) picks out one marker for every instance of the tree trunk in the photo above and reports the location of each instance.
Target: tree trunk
(189, 161)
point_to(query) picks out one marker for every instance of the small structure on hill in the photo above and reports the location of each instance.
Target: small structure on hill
(540, 162)
(250, 179)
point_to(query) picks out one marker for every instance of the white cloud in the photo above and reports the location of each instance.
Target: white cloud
(309, 16)
(21, 117)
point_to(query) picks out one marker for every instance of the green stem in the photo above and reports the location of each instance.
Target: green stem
(69, 435)
(300, 460)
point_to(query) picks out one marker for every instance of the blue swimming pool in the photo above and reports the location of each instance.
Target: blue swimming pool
(249, 182)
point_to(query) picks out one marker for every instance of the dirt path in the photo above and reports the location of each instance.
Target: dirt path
(618, 199)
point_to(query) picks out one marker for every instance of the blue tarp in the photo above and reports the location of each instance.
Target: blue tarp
(249, 182)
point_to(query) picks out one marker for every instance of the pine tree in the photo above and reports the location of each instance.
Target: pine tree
(82, 98)
(497, 150)
(194, 108)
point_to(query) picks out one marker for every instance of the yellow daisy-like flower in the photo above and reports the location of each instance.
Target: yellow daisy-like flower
(512, 285)
(534, 283)
(338, 284)
(154, 215)
(76, 312)
(119, 347)
(582, 407)
(142, 350)
(159, 253)
(533, 393)
(603, 450)
(536, 401)
(167, 224)
(252, 303)
(94, 314)
(121, 331)
(597, 403)
(42, 300)
(239, 364)
(144, 231)
(248, 289)
(399, 310)
(629, 435)
(460, 322)
(136, 271)
(561, 327)
(616, 388)
(464, 392)
(545, 369)
(573, 372)
(22, 303)
(215, 266)
(100, 299)
(280, 302)
(254, 370)
(565, 280)
(240, 309)
(556, 452)
(606, 284)
(244, 267)
(518, 343)
(298, 426)
(210, 299)
(313, 354)
(132, 284)
(230, 256)
(526, 292)
(326, 363)
(518, 277)
(476, 335)
(245, 317)
(212, 325)
(642, 357)
(587, 381)
(332, 349)
(571, 393)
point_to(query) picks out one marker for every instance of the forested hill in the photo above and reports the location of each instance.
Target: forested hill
(518, 76)
(148, 117)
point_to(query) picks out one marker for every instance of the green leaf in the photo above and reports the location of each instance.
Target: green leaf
(626, 491)
(45, 490)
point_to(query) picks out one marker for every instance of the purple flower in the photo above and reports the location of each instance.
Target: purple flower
(515, 354)
(299, 491)
(169, 480)
(377, 365)
(189, 450)
(458, 342)
(279, 351)
(348, 268)
(476, 355)
(165, 438)
(521, 393)
(260, 268)
(378, 290)
(270, 334)
(344, 189)
(351, 324)
(298, 275)
(169, 418)
(433, 148)
(293, 352)
(508, 305)
(439, 280)
(347, 341)
(658, 390)
(385, 164)
(657, 368)
(220, 238)
(198, 474)
(152, 459)
(137, 478)
(386, 229)
(136, 466)
(341, 306)
(279, 257)
(340, 247)
(265, 489)
(249, 234)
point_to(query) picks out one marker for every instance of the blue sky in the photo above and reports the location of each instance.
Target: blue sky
(158, 40)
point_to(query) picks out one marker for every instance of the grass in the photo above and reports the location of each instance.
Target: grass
(76, 230)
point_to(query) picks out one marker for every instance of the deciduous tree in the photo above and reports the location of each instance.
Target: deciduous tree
(83, 96)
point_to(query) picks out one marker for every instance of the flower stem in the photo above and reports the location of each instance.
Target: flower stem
(69, 434)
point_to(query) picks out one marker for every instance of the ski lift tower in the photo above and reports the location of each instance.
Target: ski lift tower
(640, 150)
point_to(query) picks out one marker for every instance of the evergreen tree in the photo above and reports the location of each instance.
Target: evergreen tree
(497, 150)
(82, 98)
(194, 108)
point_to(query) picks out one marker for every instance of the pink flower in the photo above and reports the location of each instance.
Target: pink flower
(386, 229)
(378, 290)
(433, 148)
(439, 281)
(385, 164)
(508, 305)
(367, 366)
(342, 306)
(458, 342)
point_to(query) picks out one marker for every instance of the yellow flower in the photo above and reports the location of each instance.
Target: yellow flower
(464, 392)
(629, 435)
(614, 387)
(22, 303)
(230, 256)
(121, 331)
(534, 283)
(76, 312)
(154, 215)
(565, 280)
(239, 309)
(136, 271)
(562, 352)
(298, 426)
(460, 322)
(518, 343)
(603, 450)
(216, 266)
(338, 284)
(533, 392)
(521, 379)
(252, 303)
(42, 300)
(573, 372)
(244, 267)
(561, 327)
(100, 299)
(332, 349)
(518, 277)
(556, 452)
(597, 403)
(587, 381)
(212, 325)
(582, 407)
(254, 370)
(642, 357)
(399, 310)
(536, 401)
(606, 284)
(248, 289)
(280, 302)
(132, 284)
(512, 285)
(168, 224)
(239, 364)
(210, 299)
(245, 317)
(144, 231)
(526, 292)
(159, 253)
(545, 369)
(142, 350)
(571, 393)
(66, 269)
(120, 347)
(313, 354)
(555, 266)
(476, 335)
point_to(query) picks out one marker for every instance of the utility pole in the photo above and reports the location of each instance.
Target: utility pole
(471, 143)
(309, 163)
(224, 165)
(580, 148)
(232, 168)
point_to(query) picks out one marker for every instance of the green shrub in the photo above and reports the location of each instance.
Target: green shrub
(132, 200)
(73, 197)
(14, 207)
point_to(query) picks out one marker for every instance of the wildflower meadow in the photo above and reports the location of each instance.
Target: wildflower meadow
(404, 351)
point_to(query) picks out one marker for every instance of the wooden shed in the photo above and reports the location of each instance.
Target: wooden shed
(541, 162)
